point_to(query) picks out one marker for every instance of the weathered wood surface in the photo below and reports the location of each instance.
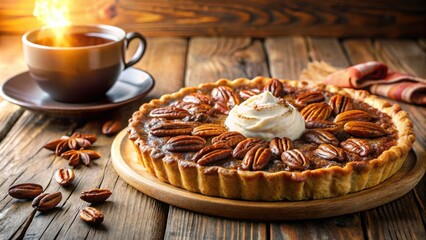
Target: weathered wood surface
(258, 18)
(174, 63)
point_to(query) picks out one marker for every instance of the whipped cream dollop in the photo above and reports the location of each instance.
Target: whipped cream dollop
(265, 116)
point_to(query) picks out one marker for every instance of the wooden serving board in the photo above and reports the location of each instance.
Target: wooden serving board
(131, 170)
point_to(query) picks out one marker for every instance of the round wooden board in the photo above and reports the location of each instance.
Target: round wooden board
(131, 170)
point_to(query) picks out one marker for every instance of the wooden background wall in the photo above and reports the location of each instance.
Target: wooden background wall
(257, 18)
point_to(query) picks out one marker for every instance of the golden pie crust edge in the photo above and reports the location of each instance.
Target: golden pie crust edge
(265, 186)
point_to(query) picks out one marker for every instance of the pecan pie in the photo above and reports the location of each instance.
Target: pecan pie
(268, 139)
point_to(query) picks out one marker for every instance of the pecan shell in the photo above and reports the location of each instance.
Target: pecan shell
(172, 129)
(244, 146)
(316, 111)
(185, 143)
(169, 113)
(276, 87)
(309, 97)
(230, 138)
(357, 146)
(319, 136)
(209, 130)
(340, 103)
(280, 145)
(295, 160)
(330, 152)
(213, 153)
(256, 159)
(364, 129)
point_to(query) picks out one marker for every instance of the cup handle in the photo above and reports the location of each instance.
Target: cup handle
(130, 36)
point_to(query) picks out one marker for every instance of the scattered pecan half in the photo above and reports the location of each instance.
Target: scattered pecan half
(276, 87)
(256, 159)
(244, 146)
(169, 113)
(309, 97)
(358, 146)
(280, 145)
(316, 111)
(319, 136)
(209, 130)
(165, 129)
(111, 127)
(340, 103)
(74, 157)
(364, 129)
(95, 195)
(25, 190)
(213, 153)
(64, 177)
(353, 115)
(91, 215)
(330, 152)
(46, 201)
(231, 138)
(185, 143)
(75, 141)
(295, 160)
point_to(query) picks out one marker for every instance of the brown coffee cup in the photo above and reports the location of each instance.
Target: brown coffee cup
(84, 64)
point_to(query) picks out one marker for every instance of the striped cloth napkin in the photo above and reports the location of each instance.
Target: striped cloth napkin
(374, 77)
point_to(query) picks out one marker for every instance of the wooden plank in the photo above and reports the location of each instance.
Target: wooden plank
(9, 115)
(342, 227)
(390, 217)
(237, 18)
(144, 216)
(183, 224)
(210, 59)
(287, 56)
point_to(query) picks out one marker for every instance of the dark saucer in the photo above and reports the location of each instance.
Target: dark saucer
(22, 90)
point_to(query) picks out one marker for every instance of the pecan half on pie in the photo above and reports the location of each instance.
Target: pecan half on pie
(268, 139)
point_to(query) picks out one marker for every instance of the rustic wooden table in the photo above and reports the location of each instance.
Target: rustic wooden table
(174, 63)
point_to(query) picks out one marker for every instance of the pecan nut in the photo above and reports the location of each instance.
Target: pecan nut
(185, 143)
(95, 195)
(165, 129)
(357, 146)
(169, 113)
(46, 201)
(91, 215)
(330, 152)
(247, 93)
(244, 146)
(340, 103)
(209, 130)
(226, 95)
(64, 177)
(213, 153)
(280, 145)
(352, 115)
(295, 160)
(276, 87)
(230, 138)
(221, 107)
(25, 190)
(316, 111)
(309, 97)
(364, 129)
(319, 136)
(256, 159)
(111, 127)
(324, 125)
(198, 98)
(192, 107)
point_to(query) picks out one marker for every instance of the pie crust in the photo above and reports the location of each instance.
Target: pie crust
(282, 185)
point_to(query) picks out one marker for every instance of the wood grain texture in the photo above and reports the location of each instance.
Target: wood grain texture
(396, 57)
(239, 17)
(210, 59)
(287, 56)
(328, 50)
(183, 224)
